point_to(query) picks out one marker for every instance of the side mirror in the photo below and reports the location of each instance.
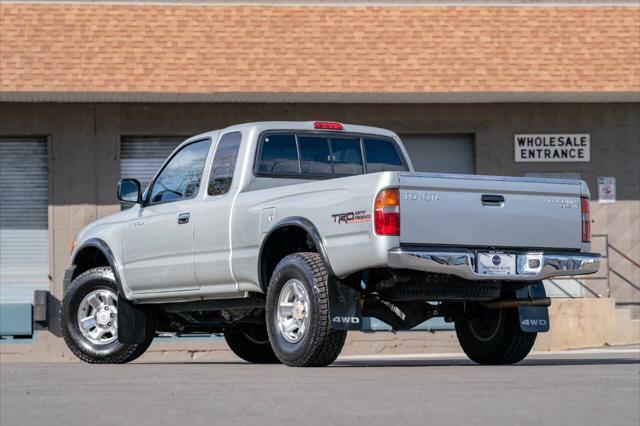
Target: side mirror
(129, 191)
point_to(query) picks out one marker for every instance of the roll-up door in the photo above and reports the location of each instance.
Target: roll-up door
(141, 157)
(437, 154)
(441, 153)
(24, 236)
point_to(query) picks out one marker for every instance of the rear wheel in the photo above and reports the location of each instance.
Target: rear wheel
(493, 336)
(252, 345)
(89, 320)
(298, 313)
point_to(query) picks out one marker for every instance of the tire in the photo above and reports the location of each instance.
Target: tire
(493, 336)
(319, 345)
(252, 346)
(111, 351)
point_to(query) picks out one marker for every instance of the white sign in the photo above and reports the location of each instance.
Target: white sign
(561, 147)
(606, 190)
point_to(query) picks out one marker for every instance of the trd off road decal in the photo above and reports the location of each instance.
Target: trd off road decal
(361, 216)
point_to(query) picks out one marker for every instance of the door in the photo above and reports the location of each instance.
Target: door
(141, 157)
(441, 153)
(566, 286)
(158, 245)
(24, 199)
(435, 153)
(212, 224)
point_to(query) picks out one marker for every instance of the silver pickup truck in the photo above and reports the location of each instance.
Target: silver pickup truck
(285, 235)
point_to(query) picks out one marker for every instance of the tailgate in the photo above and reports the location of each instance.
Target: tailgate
(488, 211)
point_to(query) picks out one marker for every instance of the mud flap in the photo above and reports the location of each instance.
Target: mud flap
(132, 322)
(345, 309)
(533, 319)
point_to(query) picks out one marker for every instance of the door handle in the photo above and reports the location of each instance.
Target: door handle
(492, 200)
(183, 218)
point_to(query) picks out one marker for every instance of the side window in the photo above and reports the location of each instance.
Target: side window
(382, 156)
(279, 155)
(347, 157)
(180, 178)
(224, 163)
(314, 155)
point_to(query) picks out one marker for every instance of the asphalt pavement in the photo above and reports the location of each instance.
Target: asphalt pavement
(584, 388)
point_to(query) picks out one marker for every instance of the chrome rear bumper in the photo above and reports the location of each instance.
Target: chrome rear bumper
(462, 263)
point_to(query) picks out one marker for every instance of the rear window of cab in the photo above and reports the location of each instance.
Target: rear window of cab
(321, 156)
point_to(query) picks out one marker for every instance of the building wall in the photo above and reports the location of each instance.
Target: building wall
(85, 165)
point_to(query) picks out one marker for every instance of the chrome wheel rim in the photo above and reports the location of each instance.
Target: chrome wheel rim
(293, 311)
(98, 317)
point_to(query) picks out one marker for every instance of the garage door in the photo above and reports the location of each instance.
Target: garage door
(141, 157)
(24, 199)
(565, 286)
(440, 153)
(436, 154)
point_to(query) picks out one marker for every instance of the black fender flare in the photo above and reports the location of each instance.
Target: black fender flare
(103, 247)
(309, 228)
(132, 318)
(344, 307)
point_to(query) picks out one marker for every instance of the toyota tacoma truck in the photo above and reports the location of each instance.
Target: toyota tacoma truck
(282, 236)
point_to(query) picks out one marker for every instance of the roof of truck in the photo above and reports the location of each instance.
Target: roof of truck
(262, 126)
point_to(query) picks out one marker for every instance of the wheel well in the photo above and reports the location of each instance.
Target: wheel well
(280, 243)
(89, 258)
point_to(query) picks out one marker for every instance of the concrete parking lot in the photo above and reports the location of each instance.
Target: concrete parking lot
(580, 387)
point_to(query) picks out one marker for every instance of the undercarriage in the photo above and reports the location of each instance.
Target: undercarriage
(402, 299)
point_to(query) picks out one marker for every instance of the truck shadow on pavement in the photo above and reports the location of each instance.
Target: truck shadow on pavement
(377, 363)
(468, 363)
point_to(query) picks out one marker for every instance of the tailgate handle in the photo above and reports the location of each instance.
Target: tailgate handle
(492, 200)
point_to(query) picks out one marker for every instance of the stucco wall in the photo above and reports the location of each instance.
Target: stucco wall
(84, 153)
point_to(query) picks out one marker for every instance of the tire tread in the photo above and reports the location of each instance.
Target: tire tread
(513, 347)
(328, 342)
(129, 354)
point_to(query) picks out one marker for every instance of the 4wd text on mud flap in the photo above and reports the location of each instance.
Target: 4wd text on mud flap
(534, 322)
(346, 320)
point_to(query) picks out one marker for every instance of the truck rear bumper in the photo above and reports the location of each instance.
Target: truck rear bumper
(530, 266)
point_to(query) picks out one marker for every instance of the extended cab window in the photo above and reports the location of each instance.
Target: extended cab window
(224, 163)
(382, 156)
(180, 178)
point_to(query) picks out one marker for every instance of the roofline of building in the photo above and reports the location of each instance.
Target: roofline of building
(350, 3)
(328, 97)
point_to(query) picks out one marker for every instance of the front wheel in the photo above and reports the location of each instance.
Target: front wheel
(298, 313)
(493, 336)
(89, 320)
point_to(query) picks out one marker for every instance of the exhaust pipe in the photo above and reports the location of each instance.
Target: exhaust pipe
(514, 303)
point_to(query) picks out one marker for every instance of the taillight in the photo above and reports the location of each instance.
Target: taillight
(586, 219)
(327, 125)
(387, 212)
